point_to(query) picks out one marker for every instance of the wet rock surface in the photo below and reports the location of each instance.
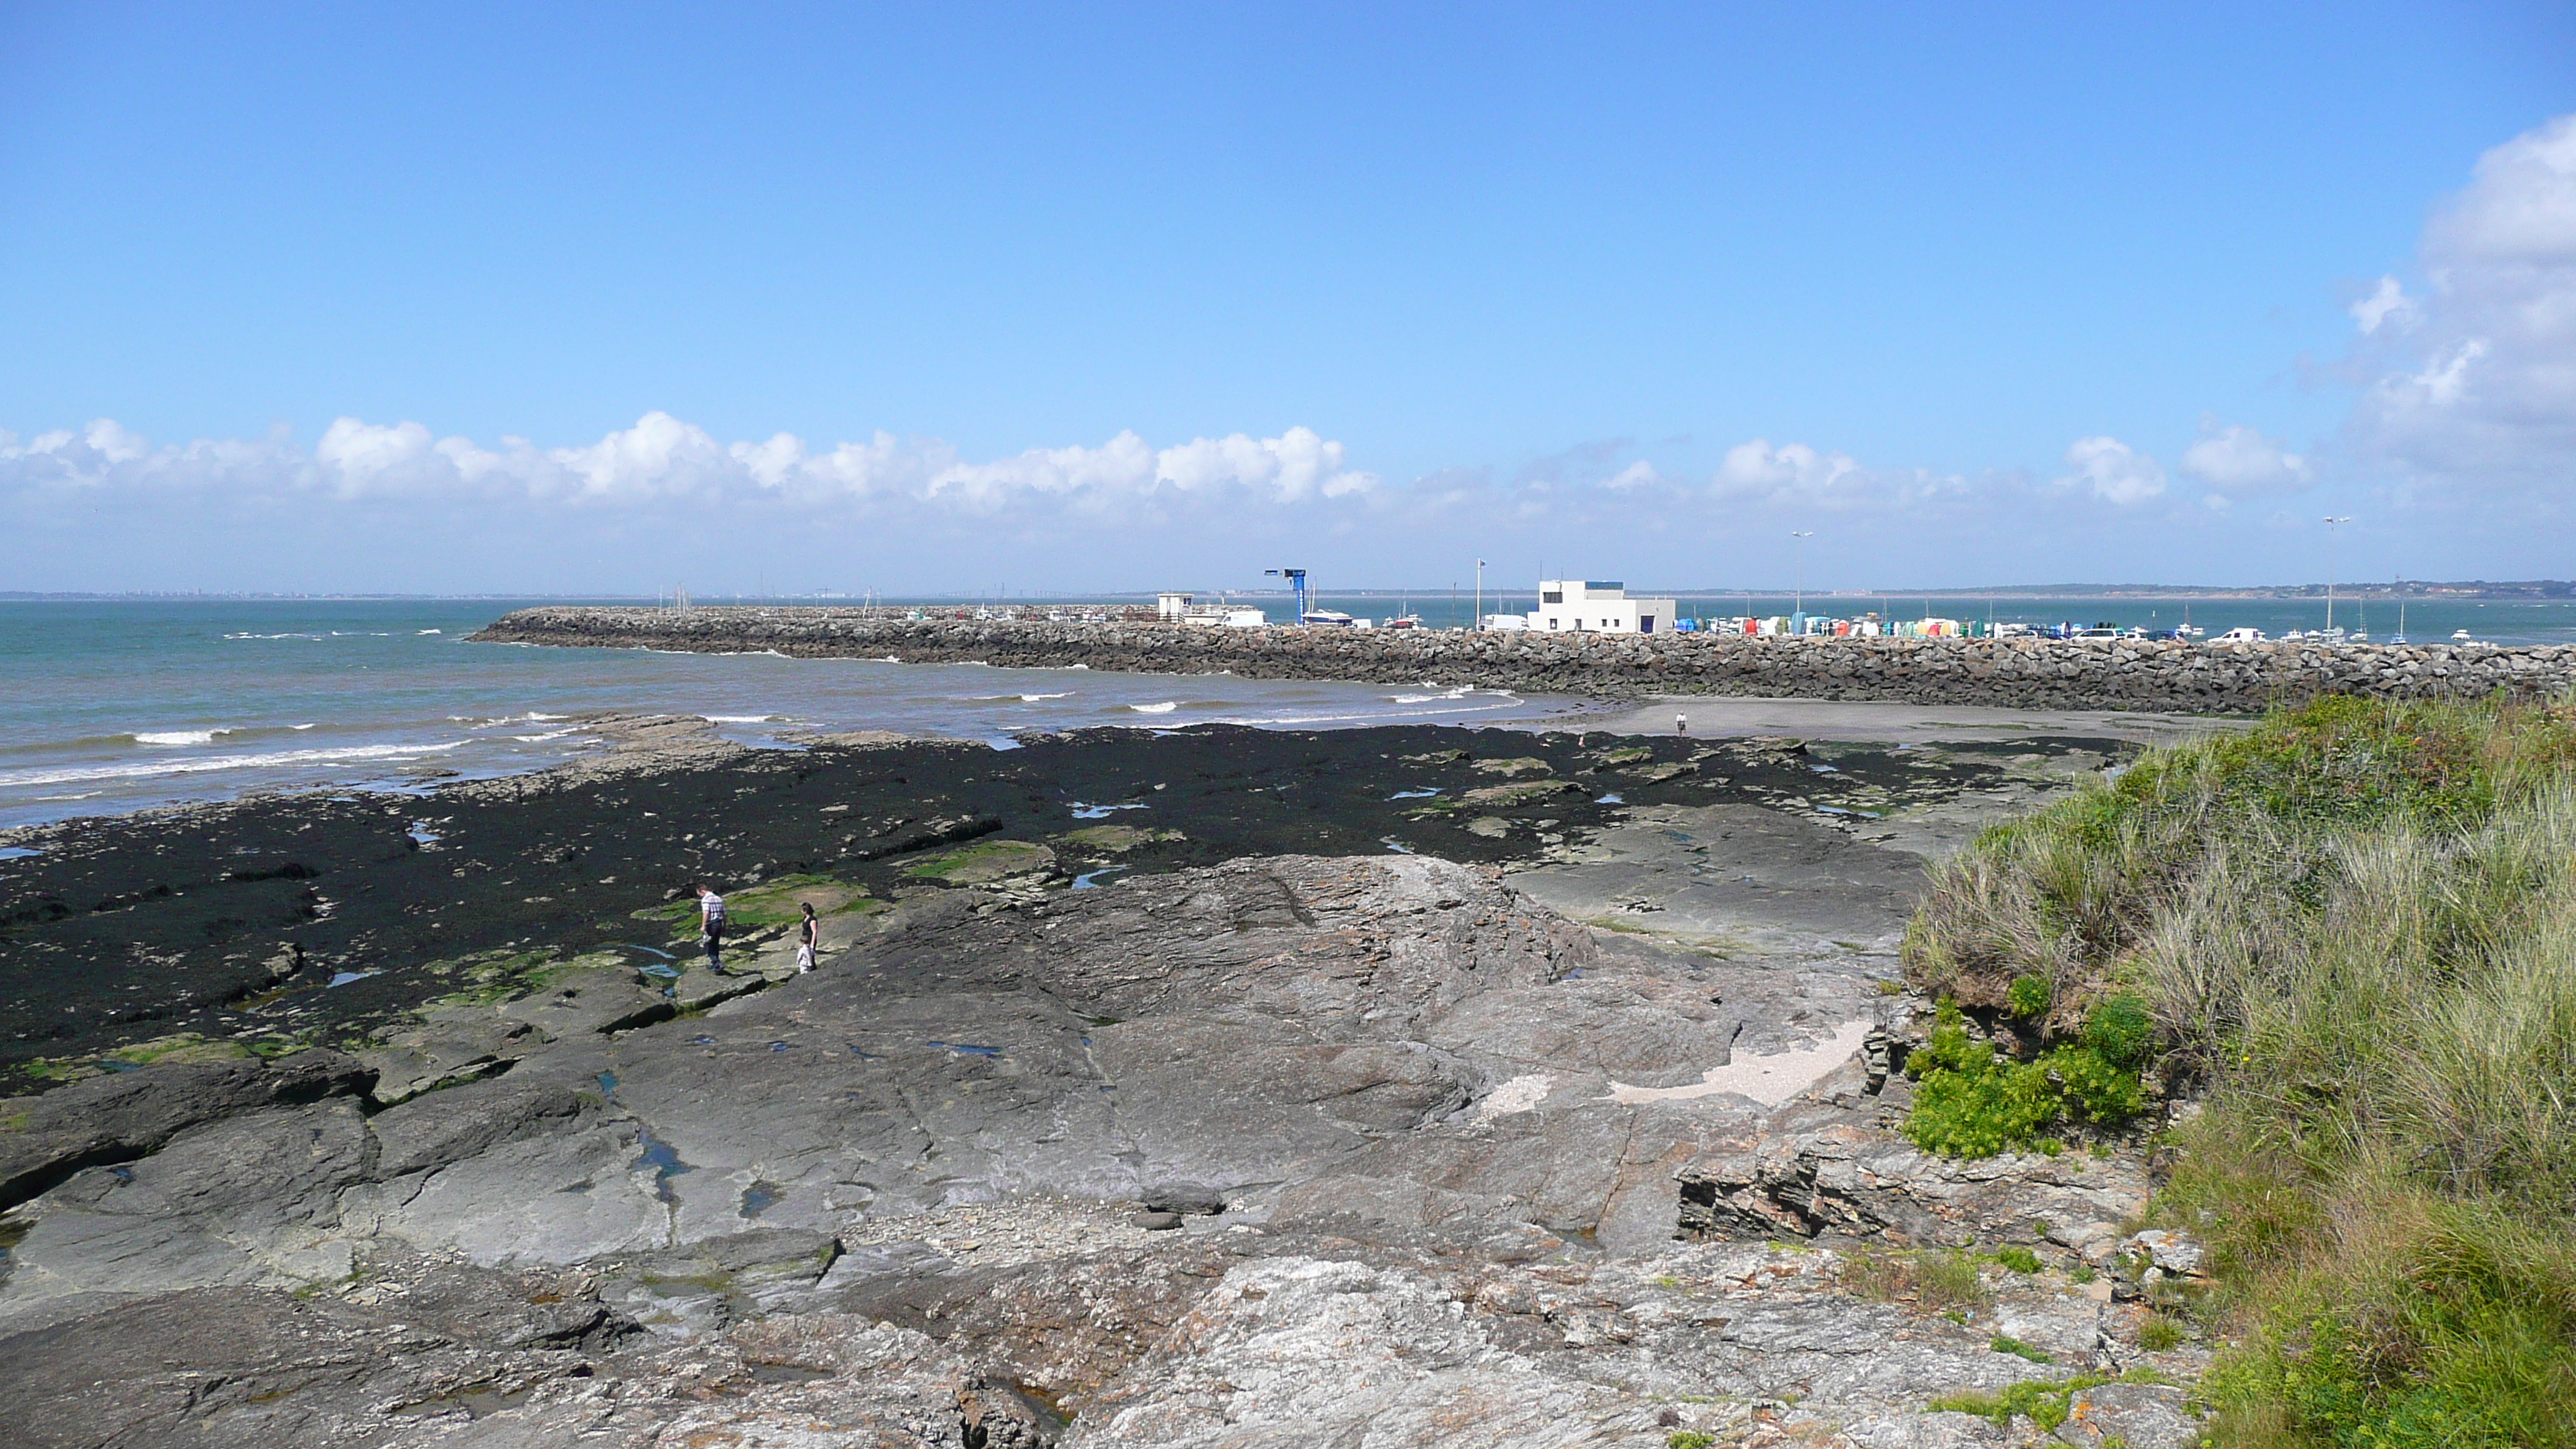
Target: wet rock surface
(1238, 1148)
(391, 922)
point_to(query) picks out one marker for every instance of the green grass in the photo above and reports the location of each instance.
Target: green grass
(2004, 1343)
(2353, 931)
(983, 862)
(2020, 1260)
(2044, 1402)
(1934, 1281)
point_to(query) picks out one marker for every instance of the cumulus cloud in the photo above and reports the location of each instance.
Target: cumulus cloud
(2236, 459)
(662, 458)
(1798, 476)
(1758, 467)
(2113, 471)
(2387, 303)
(2473, 381)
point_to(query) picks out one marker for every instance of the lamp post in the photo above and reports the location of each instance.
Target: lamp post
(1480, 596)
(2331, 521)
(1799, 608)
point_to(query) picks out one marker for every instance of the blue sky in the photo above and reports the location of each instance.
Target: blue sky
(1116, 297)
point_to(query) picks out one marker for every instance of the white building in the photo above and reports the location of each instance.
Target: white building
(1224, 616)
(1575, 605)
(1171, 606)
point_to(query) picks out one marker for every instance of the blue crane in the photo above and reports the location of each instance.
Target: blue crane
(1296, 580)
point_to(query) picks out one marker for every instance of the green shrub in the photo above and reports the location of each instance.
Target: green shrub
(1973, 1102)
(2020, 1260)
(2158, 1333)
(2029, 995)
(1690, 1439)
(2120, 1030)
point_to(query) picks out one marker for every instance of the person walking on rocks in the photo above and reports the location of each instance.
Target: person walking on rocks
(809, 937)
(711, 925)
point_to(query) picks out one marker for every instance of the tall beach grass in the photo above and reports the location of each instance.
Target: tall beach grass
(2354, 928)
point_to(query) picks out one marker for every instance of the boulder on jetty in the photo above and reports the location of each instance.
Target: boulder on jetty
(2170, 676)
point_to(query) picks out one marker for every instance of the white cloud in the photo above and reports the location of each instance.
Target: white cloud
(2387, 302)
(2479, 388)
(662, 459)
(1794, 475)
(2239, 459)
(1298, 464)
(2114, 471)
(1757, 467)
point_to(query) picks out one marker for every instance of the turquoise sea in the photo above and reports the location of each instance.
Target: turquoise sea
(110, 706)
(107, 707)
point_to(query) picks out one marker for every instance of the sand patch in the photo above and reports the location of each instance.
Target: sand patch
(1769, 1080)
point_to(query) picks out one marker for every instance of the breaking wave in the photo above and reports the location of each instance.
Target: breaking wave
(202, 764)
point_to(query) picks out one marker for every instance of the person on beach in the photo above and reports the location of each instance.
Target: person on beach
(809, 937)
(711, 925)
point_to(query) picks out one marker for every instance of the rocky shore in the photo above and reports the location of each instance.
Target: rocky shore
(1224, 1088)
(2154, 675)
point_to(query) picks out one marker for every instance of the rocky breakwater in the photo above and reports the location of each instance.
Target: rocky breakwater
(2127, 674)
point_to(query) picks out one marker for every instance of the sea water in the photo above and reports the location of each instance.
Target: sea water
(111, 706)
(107, 707)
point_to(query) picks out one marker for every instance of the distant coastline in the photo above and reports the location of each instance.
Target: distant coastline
(2465, 590)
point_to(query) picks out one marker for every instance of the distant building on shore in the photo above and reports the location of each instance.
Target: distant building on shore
(1594, 607)
(1174, 607)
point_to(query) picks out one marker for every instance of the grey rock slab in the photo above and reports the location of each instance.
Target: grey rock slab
(1927, 1431)
(1297, 1351)
(1751, 875)
(1819, 1167)
(226, 1367)
(2143, 1416)
(586, 1192)
(583, 1003)
(249, 1200)
(124, 1115)
(462, 1121)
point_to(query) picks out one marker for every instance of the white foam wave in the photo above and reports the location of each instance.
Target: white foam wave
(178, 737)
(300, 727)
(429, 631)
(737, 718)
(541, 739)
(202, 764)
(1034, 698)
(1166, 707)
(1457, 708)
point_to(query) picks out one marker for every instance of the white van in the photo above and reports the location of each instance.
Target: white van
(2239, 636)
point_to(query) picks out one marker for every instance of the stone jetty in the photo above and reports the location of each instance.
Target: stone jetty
(2170, 676)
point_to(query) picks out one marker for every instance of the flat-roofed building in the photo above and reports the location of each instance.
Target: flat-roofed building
(1590, 606)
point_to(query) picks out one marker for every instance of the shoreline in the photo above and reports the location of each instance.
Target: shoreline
(230, 919)
(637, 741)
